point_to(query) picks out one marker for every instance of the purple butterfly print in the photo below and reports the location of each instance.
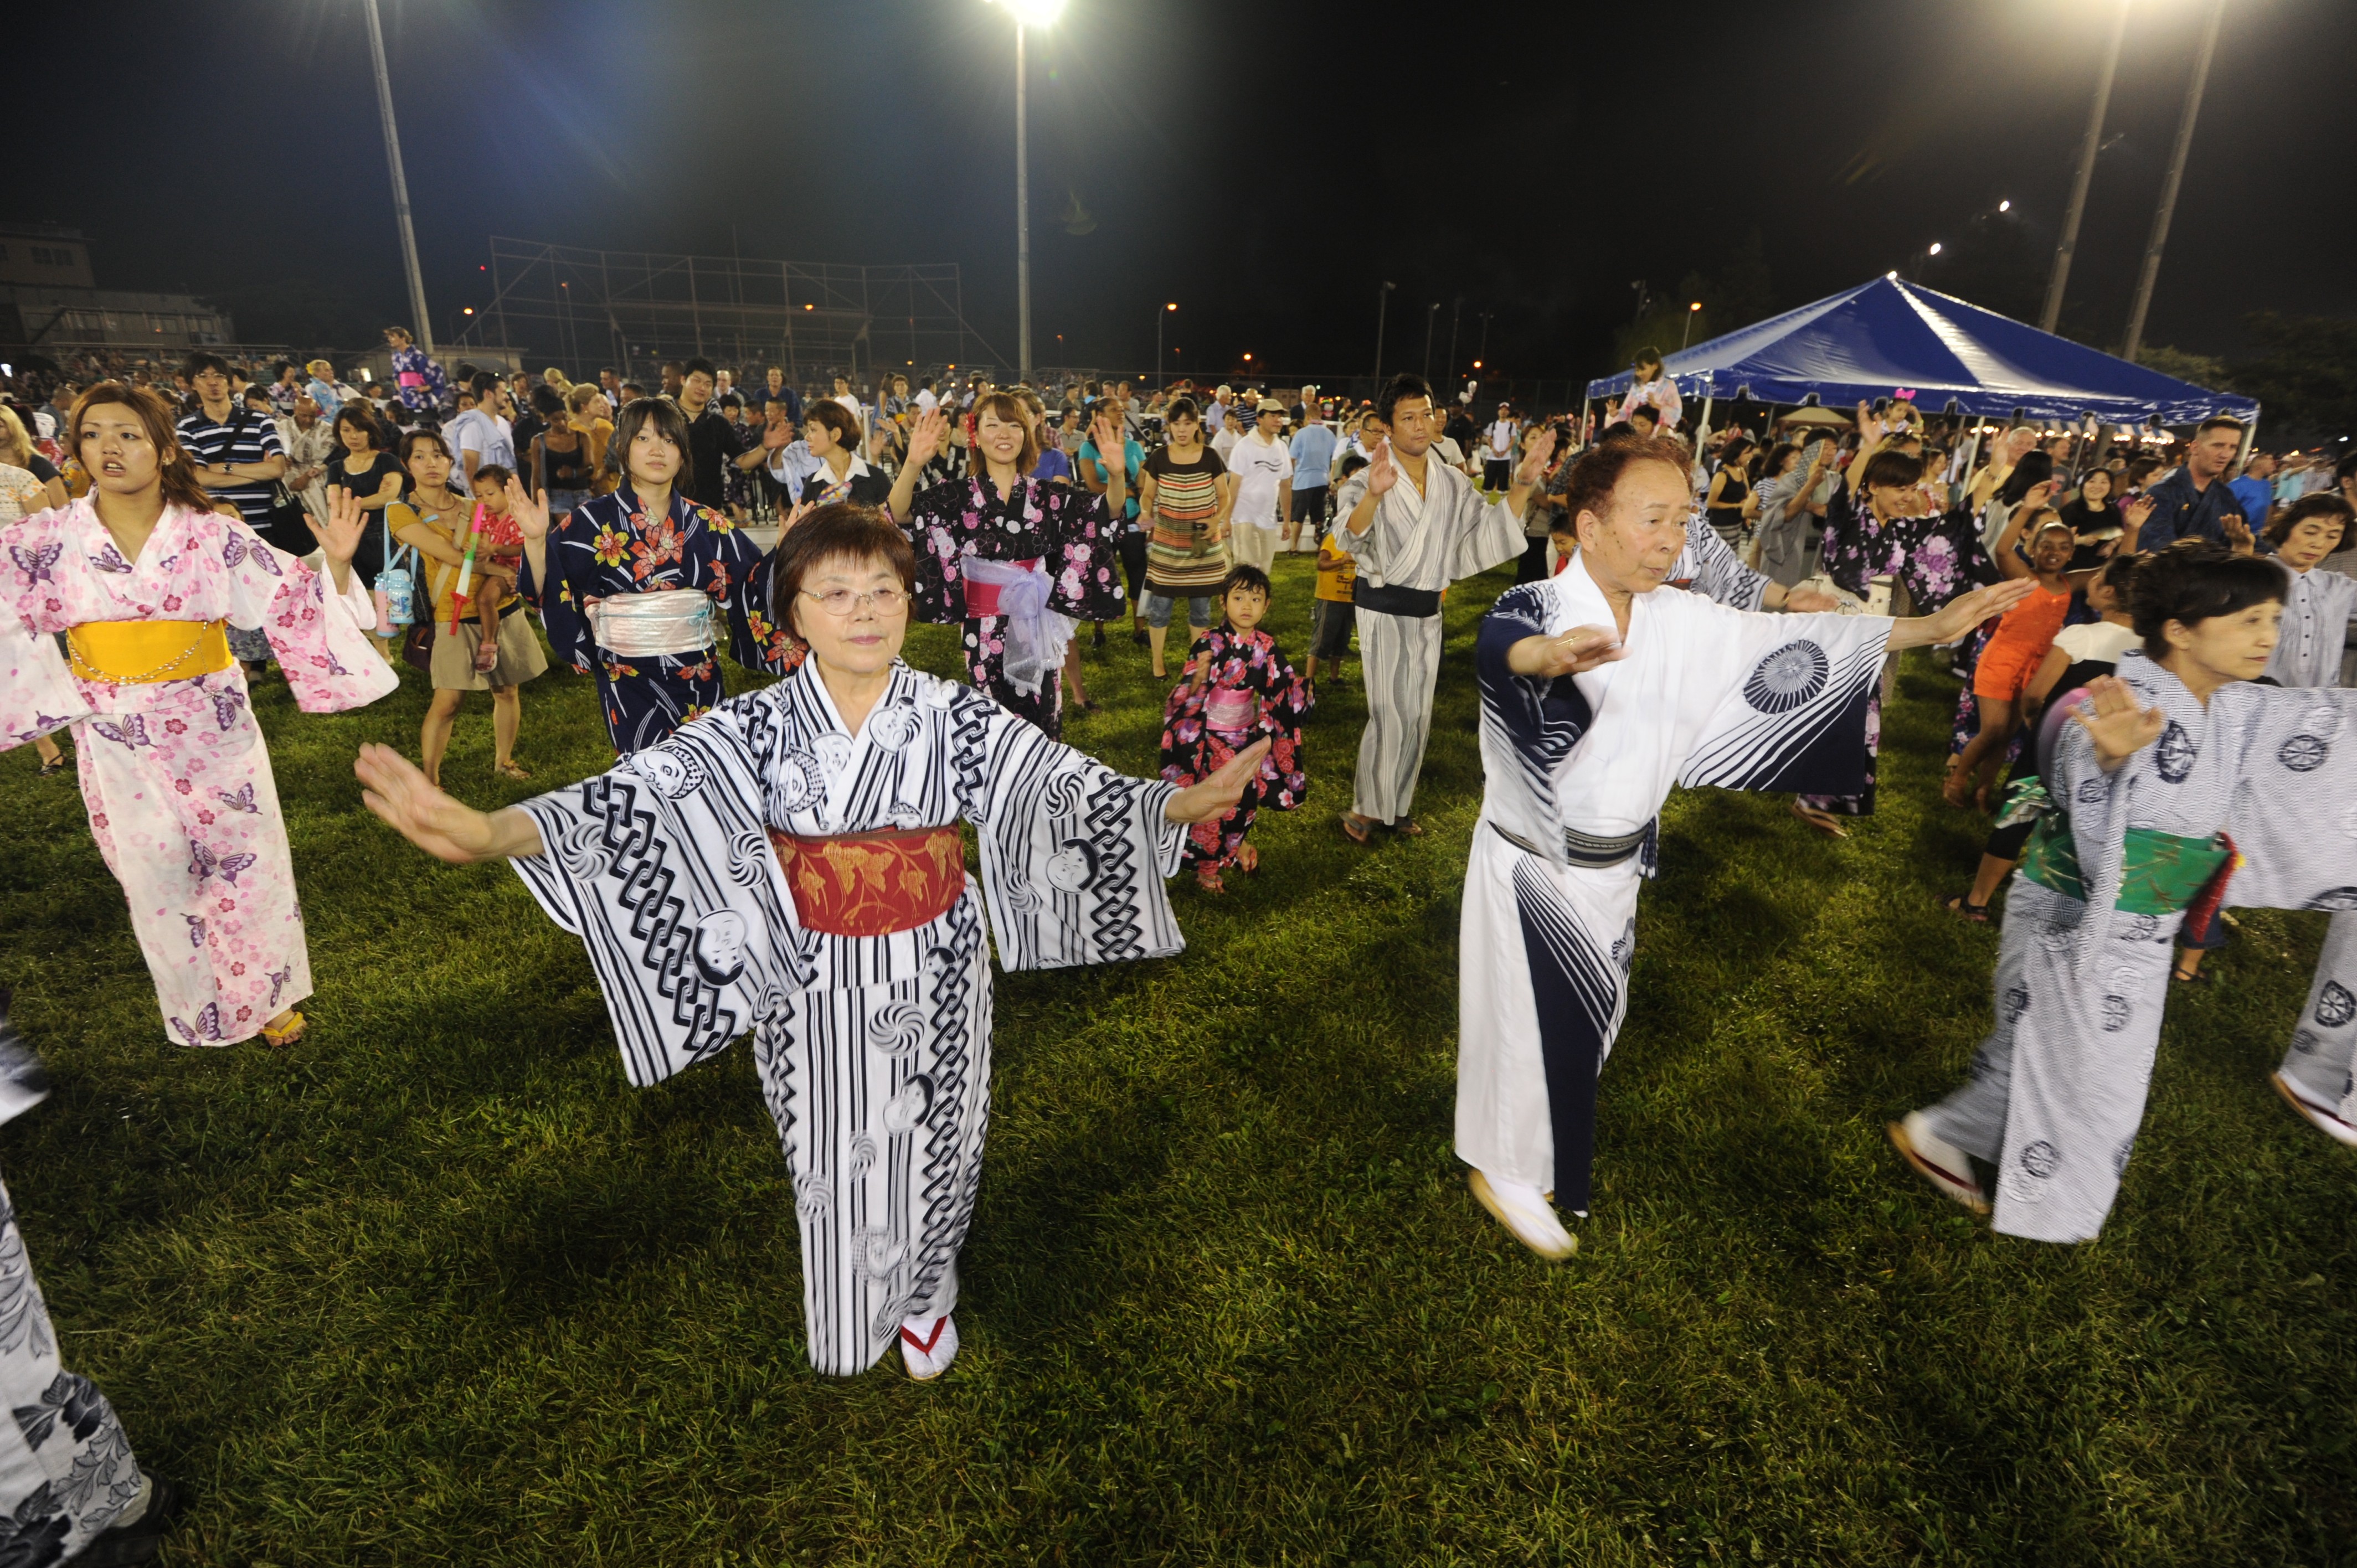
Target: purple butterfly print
(231, 865)
(110, 559)
(36, 563)
(196, 930)
(234, 549)
(225, 706)
(132, 732)
(278, 979)
(209, 1021)
(268, 559)
(241, 801)
(202, 863)
(185, 1033)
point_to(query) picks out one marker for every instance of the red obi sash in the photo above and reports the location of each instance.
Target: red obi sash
(871, 884)
(982, 598)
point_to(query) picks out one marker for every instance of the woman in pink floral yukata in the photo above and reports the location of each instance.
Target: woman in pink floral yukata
(1018, 560)
(143, 578)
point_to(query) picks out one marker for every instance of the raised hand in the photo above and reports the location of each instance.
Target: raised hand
(1106, 434)
(777, 437)
(1534, 461)
(1216, 795)
(1573, 652)
(1381, 473)
(393, 786)
(801, 510)
(530, 514)
(340, 536)
(926, 438)
(1968, 610)
(2112, 721)
(2238, 532)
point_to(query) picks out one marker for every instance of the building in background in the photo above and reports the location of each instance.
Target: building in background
(50, 304)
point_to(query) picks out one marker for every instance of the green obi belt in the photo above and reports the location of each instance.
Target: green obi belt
(2164, 872)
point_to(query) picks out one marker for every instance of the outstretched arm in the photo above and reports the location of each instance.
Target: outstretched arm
(393, 786)
(1961, 614)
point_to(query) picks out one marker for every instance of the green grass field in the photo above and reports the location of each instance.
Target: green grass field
(437, 1287)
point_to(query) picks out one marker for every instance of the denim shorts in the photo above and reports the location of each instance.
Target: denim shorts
(1158, 608)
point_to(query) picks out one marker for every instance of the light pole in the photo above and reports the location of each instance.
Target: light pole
(400, 184)
(2161, 215)
(1431, 314)
(1484, 317)
(1029, 13)
(1161, 381)
(1696, 309)
(1383, 305)
(2088, 147)
(1456, 312)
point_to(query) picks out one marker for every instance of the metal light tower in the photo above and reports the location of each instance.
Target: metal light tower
(2168, 186)
(1161, 381)
(1383, 305)
(1029, 13)
(400, 183)
(2088, 148)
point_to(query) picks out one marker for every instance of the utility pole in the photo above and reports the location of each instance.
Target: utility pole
(400, 184)
(1022, 217)
(1431, 316)
(1382, 306)
(2087, 151)
(2168, 186)
(1456, 312)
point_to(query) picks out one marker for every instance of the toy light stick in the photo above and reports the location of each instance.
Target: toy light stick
(466, 569)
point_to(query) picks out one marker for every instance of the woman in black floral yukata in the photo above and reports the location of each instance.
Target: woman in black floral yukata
(1020, 561)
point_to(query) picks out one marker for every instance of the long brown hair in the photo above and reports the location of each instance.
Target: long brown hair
(175, 468)
(1007, 409)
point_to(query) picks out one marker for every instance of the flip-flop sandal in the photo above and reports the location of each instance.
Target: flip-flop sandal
(1409, 828)
(1961, 906)
(1358, 829)
(1823, 822)
(1209, 881)
(512, 769)
(288, 1033)
(2199, 977)
(50, 767)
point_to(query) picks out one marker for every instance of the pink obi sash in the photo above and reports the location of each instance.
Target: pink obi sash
(986, 591)
(1230, 710)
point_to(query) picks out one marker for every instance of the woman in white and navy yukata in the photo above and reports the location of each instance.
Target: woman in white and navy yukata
(790, 863)
(1599, 693)
(2179, 786)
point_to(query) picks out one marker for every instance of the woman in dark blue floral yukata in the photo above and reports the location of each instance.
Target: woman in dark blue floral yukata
(1888, 526)
(607, 573)
(1240, 688)
(1018, 560)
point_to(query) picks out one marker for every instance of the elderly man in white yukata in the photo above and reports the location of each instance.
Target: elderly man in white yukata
(1411, 540)
(1598, 693)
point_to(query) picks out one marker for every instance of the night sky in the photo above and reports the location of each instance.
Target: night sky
(1265, 166)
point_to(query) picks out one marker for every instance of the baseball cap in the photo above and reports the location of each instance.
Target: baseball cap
(1268, 405)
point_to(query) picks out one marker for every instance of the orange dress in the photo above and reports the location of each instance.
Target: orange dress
(2023, 636)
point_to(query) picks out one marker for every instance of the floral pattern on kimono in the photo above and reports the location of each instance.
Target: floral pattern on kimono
(175, 773)
(1193, 750)
(419, 399)
(607, 546)
(1065, 529)
(1933, 558)
(66, 1468)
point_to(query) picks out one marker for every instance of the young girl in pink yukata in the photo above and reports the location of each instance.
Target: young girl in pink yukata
(143, 578)
(1239, 689)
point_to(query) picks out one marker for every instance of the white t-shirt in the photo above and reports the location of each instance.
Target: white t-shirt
(1500, 441)
(858, 415)
(484, 435)
(926, 401)
(1225, 441)
(1259, 467)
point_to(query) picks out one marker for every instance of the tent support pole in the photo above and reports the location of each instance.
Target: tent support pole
(1702, 431)
(2250, 439)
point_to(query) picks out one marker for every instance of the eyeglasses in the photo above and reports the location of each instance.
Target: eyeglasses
(843, 601)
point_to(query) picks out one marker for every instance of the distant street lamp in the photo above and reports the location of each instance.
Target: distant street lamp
(1692, 311)
(1028, 13)
(1162, 381)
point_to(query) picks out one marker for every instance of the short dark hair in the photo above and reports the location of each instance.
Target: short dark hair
(637, 387)
(2217, 421)
(1601, 468)
(480, 383)
(698, 363)
(1352, 464)
(547, 400)
(1251, 577)
(837, 418)
(1398, 390)
(2322, 503)
(494, 475)
(199, 364)
(356, 413)
(608, 370)
(2196, 580)
(669, 422)
(1644, 411)
(1891, 467)
(844, 531)
(1648, 355)
(2035, 469)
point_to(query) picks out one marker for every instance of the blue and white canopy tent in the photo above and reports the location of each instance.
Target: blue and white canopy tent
(1887, 336)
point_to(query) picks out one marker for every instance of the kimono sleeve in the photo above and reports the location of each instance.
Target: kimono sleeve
(1084, 582)
(1793, 711)
(1486, 533)
(663, 867)
(320, 635)
(2294, 815)
(1712, 571)
(560, 598)
(741, 576)
(1528, 724)
(1073, 854)
(38, 696)
(932, 524)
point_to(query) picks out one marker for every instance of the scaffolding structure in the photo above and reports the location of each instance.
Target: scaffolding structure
(634, 309)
